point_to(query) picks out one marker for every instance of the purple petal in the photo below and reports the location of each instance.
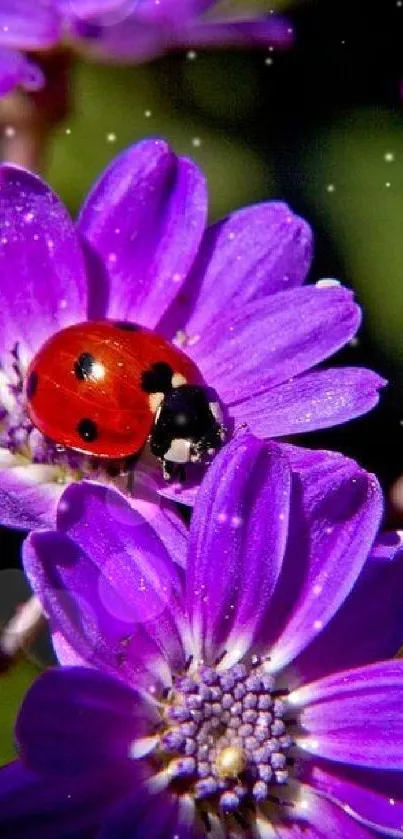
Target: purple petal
(315, 400)
(376, 600)
(44, 285)
(120, 38)
(74, 719)
(168, 10)
(236, 544)
(16, 70)
(355, 717)
(154, 520)
(144, 221)
(161, 514)
(65, 653)
(334, 519)
(271, 340)
(323, 819)
(27, 26)
(108, 584)
(143, 815)
(379, 811)
(275, 31)
(303, 460)
(155, 816)
(253, 253)
(88, 8)
(35, 806)
(25, 501)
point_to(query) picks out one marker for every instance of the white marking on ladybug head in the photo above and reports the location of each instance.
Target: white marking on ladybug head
(179, 451)
(215, 409)
(155, 400)
(178, 380)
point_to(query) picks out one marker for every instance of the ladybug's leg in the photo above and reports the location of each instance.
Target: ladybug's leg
(130, 464)
(168, 469)
(180, 473)
(171, 470)
(130, 481)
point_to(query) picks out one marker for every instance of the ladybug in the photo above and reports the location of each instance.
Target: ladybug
(105, 388)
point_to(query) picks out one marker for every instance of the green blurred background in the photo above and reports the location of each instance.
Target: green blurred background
(320, 127)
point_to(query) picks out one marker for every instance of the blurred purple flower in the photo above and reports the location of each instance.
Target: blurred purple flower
(127, 31)
(249, 695)
(230, 295)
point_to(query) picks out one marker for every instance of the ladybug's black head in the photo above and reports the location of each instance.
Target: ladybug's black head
(188, 427)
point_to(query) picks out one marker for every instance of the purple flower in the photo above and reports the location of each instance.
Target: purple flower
(230, 295)
(121, 30)
(249, 695)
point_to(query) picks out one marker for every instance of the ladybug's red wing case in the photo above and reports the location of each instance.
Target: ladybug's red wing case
(89, 386)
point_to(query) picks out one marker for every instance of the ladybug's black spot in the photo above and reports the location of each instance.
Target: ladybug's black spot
(158, 379)
(87, 430)
(32, 384)
(126, 325)
(83, 367)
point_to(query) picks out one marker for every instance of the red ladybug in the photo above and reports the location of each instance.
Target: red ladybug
(106, 387)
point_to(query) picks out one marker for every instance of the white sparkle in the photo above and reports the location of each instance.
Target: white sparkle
(141, 747)
(97, 371)
(304, 804)
(330, 188)
(309, 745)
(327, 282)
(196, 142)
(111, 137)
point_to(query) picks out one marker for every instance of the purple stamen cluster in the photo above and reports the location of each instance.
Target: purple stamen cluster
(227, 734)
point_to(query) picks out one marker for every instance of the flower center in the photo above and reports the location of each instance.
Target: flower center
(226, 736)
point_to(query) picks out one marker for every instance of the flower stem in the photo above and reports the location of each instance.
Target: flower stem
(20, 631)
(27, 120)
